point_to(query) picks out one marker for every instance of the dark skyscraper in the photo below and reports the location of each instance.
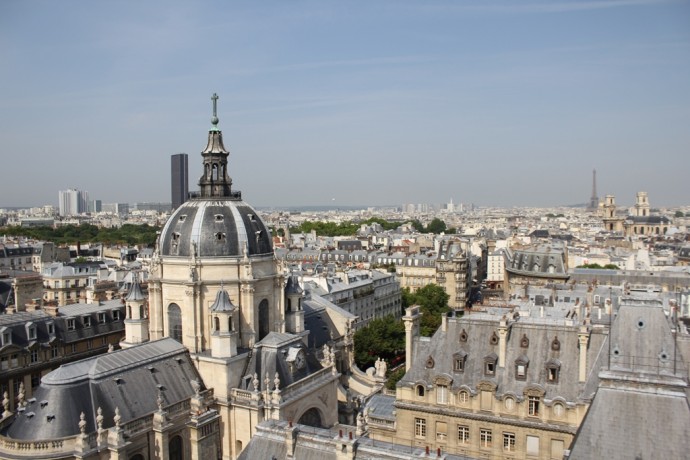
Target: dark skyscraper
(179, 179)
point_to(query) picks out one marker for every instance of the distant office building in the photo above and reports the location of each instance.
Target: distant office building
(72, 202)
(152, 206)
(179, 179)
(121, 209)
(96, 206)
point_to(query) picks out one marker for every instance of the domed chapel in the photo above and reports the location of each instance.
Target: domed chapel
(217, 288)
(216, 347)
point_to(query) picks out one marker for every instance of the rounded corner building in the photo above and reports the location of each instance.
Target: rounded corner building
(215, 242)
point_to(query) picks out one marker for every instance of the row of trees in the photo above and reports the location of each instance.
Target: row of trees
(86, 233)
(604, 267)
(350, 228)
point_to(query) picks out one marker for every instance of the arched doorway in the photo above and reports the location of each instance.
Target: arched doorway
(312, 417)
(175, 448)
(264, 322)
(175, 322)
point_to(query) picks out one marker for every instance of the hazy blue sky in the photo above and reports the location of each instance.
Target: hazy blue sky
(366, 102)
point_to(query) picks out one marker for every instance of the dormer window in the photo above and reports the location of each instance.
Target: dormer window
(102, 317)
(71, 324)
(553, 369)
(490, 364)
(521, 365)
(87, 321)
(459, 361)
(6, 336)
(420, 391)
(31, 331)
(51, 328)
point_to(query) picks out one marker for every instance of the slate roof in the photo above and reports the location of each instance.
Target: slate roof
(477, 347)
(269, 356)
(128, 379)
(219, 227)
(641, 409)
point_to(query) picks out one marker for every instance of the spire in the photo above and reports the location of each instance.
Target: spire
(215, 181)
(214, 118)
(135, 293)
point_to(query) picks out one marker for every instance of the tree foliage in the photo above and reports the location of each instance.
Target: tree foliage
(433, 302)
(381, 338)
(86, 233)
(605, 267)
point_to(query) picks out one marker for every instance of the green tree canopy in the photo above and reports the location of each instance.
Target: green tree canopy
(436, 226)
(86, 233)
(381, 338)
(433, 302)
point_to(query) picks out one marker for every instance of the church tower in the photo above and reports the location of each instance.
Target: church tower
(294, 313)
(641, 208)
(136, 321)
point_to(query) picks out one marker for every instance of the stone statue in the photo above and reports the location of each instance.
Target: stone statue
(255, 382)
(383, 367)
(20, 396)
(276, 382)
(99, 418)
(117, 418)
(82, 423)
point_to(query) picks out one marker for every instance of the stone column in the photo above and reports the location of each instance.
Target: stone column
(411, 320)
(502, 333)
(583, 338)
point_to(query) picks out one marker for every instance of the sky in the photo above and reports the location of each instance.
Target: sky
(496, 103)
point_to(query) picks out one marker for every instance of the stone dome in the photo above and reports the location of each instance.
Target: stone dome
(216, 223)
(219, 227)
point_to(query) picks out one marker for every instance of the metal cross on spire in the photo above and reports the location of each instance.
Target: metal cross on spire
(214, 120)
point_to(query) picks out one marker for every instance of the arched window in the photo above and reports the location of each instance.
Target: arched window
(312, 417)
(420, 390)
(175, 450)
(129, 312)
(141, 311)
(175, 322)
(216, 322)
(264, 321)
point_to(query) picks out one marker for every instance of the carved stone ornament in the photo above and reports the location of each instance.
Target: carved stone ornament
(463, 336)
(430, 362)
(524, 341)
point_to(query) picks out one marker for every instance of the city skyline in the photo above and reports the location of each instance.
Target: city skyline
(494, 103)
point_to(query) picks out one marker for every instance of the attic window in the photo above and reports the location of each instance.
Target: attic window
(218, 217)
(118, 381)
(640, 323)
(430, 362)
(29, 414)
(50, 417)
(463, 336)
(151, 369)
(183, 217)
(524, 341)
(220, 236)
(44, 403)
(490, 364)
(555, 344)
(160, 387)
(494, 339)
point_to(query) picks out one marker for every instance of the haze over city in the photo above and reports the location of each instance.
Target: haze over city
(497, 103)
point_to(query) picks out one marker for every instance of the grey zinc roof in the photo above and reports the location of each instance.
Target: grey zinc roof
(135, 294)
(218, 227)
(478, 347)
(222, 302)
(128, 379)
(640, 423)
